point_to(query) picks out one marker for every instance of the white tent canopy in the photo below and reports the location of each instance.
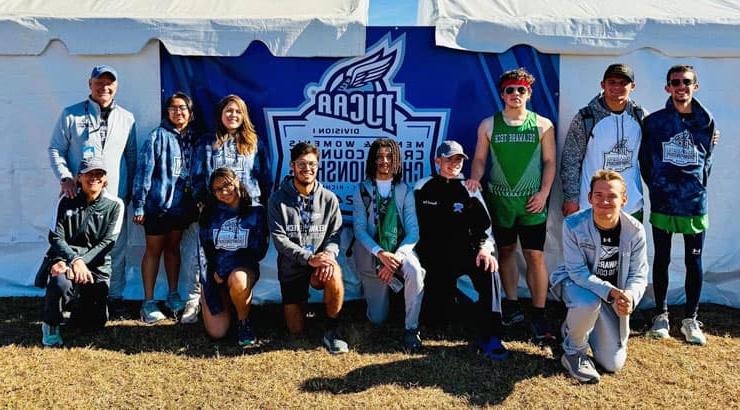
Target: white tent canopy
(678, 28)
(650, 36)
(205, 28)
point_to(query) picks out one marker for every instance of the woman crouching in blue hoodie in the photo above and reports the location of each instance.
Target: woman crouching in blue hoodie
(233, 233)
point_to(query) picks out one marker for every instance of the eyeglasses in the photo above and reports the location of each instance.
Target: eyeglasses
(519, 90)
(676, 82)
(306, 164)
(227, 188)
(179, 108)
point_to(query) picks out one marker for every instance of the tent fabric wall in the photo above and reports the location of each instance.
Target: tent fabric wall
(219, 28)
(587, 26)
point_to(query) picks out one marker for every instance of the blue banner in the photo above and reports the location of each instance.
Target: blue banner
(403, 87)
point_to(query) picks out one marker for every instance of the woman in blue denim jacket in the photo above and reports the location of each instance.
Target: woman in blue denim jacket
(163, 201)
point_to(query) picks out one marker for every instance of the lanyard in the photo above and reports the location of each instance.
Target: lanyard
(380, 205)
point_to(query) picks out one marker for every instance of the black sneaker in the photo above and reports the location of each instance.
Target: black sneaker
(512, 314)
(411, 340)
(245, 334)
(117, 309)
(542, 332)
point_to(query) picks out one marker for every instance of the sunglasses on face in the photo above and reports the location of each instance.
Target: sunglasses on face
(519, 90)
(678, 81)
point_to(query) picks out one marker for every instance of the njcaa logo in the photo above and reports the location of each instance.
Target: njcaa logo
(680, 150)
(619, 158)
(230, 236)
(355, 102)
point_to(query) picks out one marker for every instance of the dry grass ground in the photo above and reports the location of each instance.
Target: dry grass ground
(129, 365)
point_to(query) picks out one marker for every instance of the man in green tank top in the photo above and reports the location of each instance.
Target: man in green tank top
(522, 149)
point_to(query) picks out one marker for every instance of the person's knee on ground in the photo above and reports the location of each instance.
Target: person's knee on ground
(611, 363)
(217, 326)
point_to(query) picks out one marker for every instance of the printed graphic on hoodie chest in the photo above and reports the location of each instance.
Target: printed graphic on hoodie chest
(681, 150)
(231, 236)
(619, 157)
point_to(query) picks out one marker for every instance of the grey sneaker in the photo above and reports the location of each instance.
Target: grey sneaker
(190, 314)
(660, 327)
(580, 367)
(691, 329)
(334, 343)
(411, 340)
(150, 312)
(50, 335)
(174, 303)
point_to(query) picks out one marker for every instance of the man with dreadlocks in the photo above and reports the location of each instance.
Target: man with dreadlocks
(386, 230)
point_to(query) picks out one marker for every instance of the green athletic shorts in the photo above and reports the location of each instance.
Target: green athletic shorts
(508, 212)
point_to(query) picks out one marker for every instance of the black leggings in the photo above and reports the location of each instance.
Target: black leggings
(693, 247)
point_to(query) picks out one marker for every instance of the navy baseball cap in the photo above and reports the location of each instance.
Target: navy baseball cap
(99, 70)
(450, 148)
(91, 164)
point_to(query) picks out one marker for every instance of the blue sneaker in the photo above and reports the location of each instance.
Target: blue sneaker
(174, 303)
(245, 334)
(493, 349)
(51, 336)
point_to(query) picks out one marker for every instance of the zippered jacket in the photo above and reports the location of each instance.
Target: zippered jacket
(582, 251)
(365, 230)
(75, 137)
(452, 220)
(86, 231)
(162, 184)
(676, 159)
(295, 243)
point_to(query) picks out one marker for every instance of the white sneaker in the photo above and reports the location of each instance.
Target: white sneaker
(660, 328)
(190, 314)
(150, 312)
(691, 328)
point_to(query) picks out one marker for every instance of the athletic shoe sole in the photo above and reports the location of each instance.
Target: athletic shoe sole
(692, 341)
(657, 334)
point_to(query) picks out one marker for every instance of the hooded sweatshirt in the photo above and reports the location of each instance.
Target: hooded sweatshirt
(676, 158)
(295, 241)
(613, 144)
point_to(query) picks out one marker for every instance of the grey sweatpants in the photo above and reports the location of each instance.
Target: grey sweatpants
(377, 293)
(592, 322)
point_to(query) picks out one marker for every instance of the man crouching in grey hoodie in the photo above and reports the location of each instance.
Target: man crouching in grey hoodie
(305, 223)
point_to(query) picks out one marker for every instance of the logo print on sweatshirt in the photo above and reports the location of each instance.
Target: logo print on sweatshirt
(231, 236)
(680, 150)
(355, 101)
(619, 158)
(457, 207)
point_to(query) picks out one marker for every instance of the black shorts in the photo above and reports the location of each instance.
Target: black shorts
(160, 224)
(531, 237)
(295, 290)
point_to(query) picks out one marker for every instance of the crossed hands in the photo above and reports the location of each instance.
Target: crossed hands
(77, 272)
(391, 264)
(623, 302)
(324, 263)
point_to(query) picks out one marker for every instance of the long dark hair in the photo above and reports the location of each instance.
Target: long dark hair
(212, 202)
(371, 165)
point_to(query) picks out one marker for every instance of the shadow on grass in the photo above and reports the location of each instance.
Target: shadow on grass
(456, 370)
